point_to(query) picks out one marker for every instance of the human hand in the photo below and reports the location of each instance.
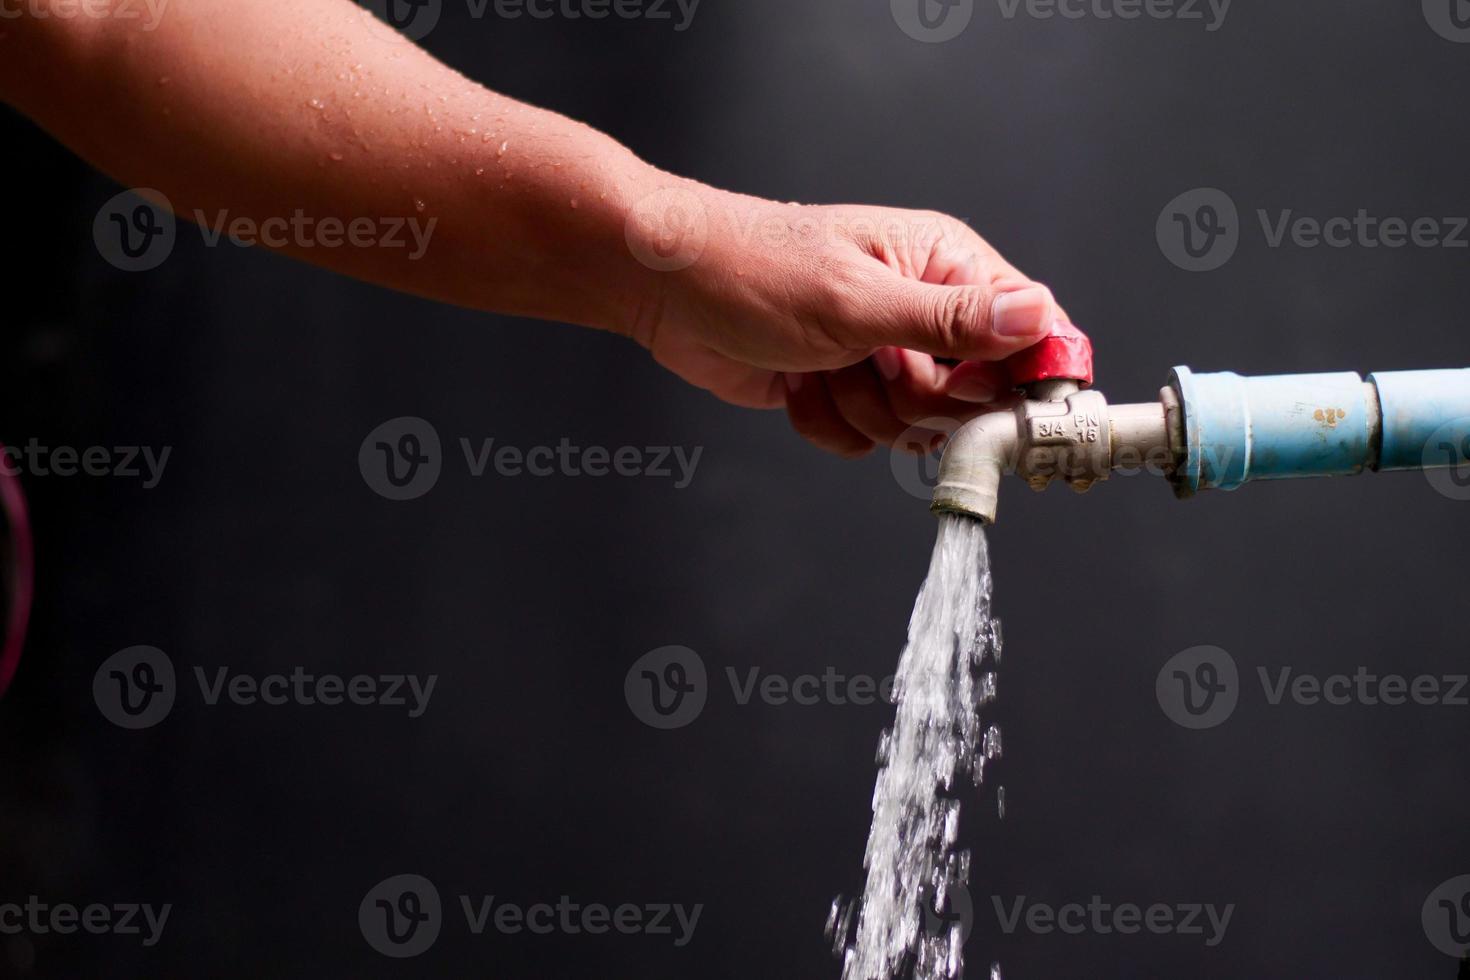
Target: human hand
(844, 315)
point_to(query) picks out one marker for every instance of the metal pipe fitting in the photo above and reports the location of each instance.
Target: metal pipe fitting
(1074, 435)
(973, 461)
(1211, 431)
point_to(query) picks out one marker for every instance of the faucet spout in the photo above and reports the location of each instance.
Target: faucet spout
(974, 460)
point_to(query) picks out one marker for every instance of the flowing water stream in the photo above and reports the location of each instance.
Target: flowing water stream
(937, 746)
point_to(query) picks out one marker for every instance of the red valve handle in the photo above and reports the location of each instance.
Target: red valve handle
(1064, 354)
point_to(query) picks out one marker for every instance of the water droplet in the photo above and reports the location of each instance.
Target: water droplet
(336, 157)
(992, 742)
(479, 171)
(317, 104)
(419, 205)
(575, 204)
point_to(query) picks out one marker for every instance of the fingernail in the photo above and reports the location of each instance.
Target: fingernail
(793, 381)
(1023, 313)
(888, 362)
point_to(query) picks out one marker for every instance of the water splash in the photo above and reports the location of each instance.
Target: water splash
(905, 928)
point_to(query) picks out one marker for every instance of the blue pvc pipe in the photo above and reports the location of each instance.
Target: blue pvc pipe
(1426, 418)
(1238, 429)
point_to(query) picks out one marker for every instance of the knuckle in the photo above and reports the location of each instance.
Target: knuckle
(846, 300)
(954, 315)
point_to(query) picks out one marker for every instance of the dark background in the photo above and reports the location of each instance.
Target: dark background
(529, 778)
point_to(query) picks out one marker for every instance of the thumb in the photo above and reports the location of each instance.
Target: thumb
(966, 322)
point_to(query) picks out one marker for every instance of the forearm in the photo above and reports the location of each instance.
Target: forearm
(278, 120)
(258, 112)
